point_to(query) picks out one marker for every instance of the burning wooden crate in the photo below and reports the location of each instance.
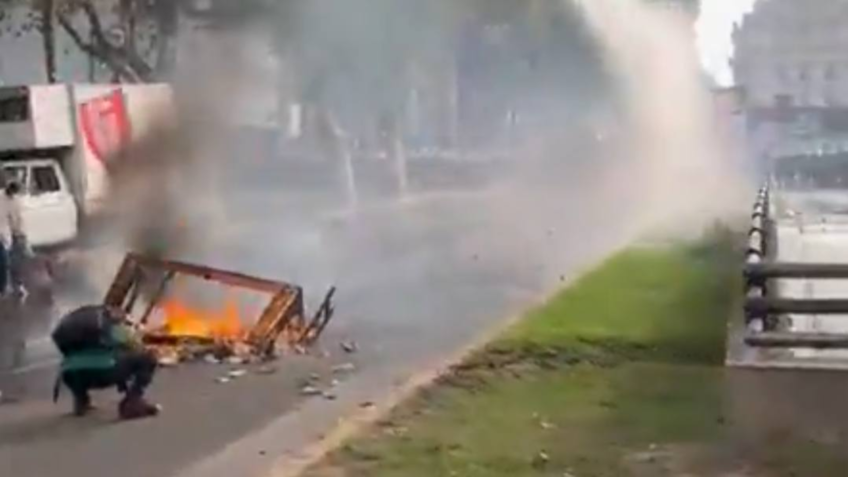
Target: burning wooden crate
(142, 283)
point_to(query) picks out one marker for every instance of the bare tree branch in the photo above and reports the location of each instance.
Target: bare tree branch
(124, 62)
(133, 60)
(103, 55)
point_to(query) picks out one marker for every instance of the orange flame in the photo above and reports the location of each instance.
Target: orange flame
(184, 320)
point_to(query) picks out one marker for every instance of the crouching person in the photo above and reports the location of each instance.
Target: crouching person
(99, 351)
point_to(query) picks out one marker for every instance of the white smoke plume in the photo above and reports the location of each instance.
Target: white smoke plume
(685, 171)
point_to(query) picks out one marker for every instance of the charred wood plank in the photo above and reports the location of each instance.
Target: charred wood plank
(213, 274)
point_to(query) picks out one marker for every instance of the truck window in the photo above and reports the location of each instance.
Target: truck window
(44, 180)
(15, 174)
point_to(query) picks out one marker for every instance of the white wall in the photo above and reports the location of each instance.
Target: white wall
(51, 116)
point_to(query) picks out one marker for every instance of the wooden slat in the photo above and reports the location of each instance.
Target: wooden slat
(214, 274)
(123, 281)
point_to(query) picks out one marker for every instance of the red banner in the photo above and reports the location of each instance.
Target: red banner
(105, 125)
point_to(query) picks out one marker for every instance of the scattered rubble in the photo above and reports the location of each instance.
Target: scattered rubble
(541, 459)
(223, 380)
(169, 360)
(236, 373)
(310, 391)
(329, 395)
(267, 369)
(344, 368)
(349, 347)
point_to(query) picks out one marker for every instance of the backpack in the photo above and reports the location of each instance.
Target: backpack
(83, 329)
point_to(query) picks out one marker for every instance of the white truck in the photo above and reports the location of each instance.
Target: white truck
(56, 141)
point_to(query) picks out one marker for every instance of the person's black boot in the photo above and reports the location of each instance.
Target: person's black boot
(82, 405)
(136, 408)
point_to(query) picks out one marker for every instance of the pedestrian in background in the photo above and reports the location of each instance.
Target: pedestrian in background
(5, 236)
(19, 252)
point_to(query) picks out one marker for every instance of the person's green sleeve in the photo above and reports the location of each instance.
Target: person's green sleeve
(123, 337)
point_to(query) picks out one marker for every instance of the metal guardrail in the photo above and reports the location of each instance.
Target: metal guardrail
(763, 309)
(758, 246)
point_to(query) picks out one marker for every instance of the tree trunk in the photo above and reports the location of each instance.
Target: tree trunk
(92, 62)
(166, 15)
(48, 39)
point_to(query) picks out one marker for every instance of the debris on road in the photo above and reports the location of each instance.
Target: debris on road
(310, 391)
(329, 395)
(541, 459)
(223, 380)
(344, 368)
(168, 360)
(265, 370)
(236, 373)
(349, 347)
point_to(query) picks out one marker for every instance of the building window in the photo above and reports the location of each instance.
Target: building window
(14, 105)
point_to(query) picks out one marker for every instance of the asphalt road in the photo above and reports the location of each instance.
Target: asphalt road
(418, 279)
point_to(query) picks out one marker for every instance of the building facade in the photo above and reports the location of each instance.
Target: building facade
(794, 53)
(791, 60)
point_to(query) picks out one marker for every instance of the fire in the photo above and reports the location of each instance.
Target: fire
(182, 319)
